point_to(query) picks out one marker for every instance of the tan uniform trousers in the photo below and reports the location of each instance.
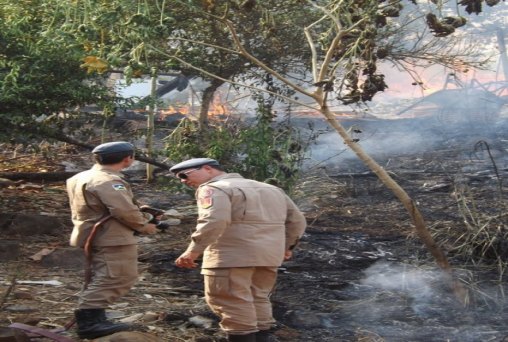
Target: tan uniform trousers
(241, 297)
(115, 271)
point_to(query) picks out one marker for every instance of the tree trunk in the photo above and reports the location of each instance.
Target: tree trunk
(206, 100)
(150, 125)
(418, 221)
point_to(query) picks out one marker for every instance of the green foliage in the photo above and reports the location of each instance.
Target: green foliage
(54, 53)
(188, 141)
(273, 151)
(265, 150)
(40, 74)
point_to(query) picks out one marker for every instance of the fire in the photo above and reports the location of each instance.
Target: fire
(185, 110)
(217, 107)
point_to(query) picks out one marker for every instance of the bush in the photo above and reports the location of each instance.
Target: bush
(264, 150)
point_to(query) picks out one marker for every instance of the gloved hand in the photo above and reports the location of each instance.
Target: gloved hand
(155, 212)
(162, 225)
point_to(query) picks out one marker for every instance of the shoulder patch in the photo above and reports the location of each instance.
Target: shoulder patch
(206, 192)
(119, 187)
(205, 202)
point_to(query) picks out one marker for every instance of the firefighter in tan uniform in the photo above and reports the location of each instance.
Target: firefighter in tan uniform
(102, 193)
(245, 230)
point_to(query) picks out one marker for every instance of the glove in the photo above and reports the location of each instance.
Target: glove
(162, 225)
(155, 212)
(152, 211)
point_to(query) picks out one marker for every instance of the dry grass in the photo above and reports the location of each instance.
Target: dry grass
(483, 237)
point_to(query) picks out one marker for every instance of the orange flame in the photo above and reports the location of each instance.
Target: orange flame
(216, 108)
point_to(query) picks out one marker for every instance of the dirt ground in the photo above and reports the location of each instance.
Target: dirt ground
(359, 274)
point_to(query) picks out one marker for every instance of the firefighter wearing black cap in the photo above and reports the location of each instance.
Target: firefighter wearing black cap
(245, 230)
(101, 195)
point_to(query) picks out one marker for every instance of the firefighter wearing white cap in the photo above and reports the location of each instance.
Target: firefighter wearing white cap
(102, 195)
(245, 230)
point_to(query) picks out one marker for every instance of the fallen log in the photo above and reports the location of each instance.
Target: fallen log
(56, 176)
(38, 176)
(64, 138)
(137, 155)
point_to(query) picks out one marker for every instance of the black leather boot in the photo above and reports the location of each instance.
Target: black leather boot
(242, 338)
(92, 323)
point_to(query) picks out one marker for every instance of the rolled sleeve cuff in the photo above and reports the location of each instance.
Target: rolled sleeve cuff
(290, 247)
(195, 248)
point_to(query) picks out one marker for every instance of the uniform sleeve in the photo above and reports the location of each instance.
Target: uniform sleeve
(295, 224)
(214, 216)
(117, 197)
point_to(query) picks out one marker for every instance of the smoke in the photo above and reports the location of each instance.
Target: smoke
(380, 139)
(420, 286)
(391, 127)
(443, 128)
(330, 151)
(403, 302)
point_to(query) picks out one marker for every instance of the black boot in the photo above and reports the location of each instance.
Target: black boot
(265, 336)
(242, 338)
(92, 323)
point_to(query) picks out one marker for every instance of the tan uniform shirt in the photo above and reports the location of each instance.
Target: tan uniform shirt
(97, 193)
(244, 223)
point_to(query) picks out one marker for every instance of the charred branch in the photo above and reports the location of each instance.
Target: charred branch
(138, 156)
(38, 176)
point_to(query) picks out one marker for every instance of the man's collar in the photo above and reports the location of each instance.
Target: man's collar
(225, 176)
(106, 168)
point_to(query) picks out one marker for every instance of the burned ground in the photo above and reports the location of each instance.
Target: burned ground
(359, 274)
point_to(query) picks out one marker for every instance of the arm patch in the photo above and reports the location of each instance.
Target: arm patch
(119, 187)
(205, 200)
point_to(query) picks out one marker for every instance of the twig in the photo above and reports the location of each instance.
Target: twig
(11, 287)
(477, 146)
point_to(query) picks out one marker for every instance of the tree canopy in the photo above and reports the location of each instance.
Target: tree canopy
(56, 55)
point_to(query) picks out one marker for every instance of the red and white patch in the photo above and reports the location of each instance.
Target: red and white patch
(205, 202)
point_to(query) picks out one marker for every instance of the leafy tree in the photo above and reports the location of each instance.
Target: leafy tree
(134, 37)
(41, 78)
(259, 24)
(140, 37)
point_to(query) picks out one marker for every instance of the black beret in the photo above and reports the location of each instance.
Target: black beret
(113, 147)
(192, 163)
